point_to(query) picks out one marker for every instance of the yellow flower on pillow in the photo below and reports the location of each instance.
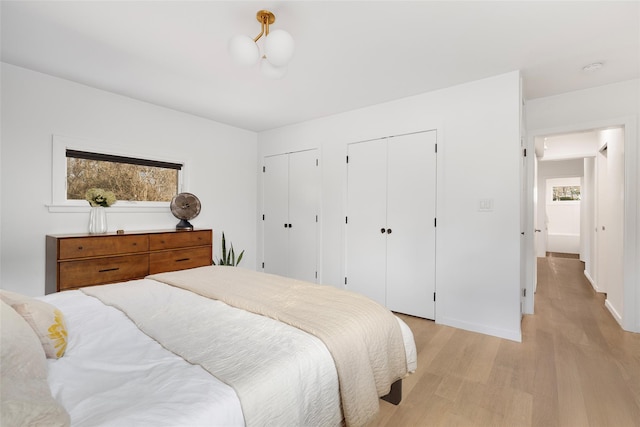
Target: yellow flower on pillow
(58, 333)
(45, 319)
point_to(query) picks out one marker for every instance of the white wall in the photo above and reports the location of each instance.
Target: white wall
(221, 162)
(596, 108)
(570, 146)
(478, 253)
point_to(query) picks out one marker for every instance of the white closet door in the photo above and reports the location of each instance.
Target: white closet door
(276, 214)
(304, 193)
(411, 197)
(366, 213)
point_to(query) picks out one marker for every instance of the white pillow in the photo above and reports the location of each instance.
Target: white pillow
(46, 320)
(25, 397)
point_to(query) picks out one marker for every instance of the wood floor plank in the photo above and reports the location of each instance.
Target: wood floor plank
(573, 410)
(480, 366)
(575, 366)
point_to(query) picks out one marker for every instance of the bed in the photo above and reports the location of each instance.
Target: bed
(221, 346)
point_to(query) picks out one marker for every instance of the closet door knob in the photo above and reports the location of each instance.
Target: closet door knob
(389, 231)
(382, 230)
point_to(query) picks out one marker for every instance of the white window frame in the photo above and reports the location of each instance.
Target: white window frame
(59, 201)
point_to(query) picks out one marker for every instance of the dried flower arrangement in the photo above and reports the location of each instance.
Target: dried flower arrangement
(100, 197)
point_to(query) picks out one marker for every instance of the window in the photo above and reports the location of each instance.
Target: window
(129, 178)
(140, 182)
(566, 193)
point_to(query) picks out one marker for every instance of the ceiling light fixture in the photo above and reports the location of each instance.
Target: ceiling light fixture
(592, 67)
(277, 49)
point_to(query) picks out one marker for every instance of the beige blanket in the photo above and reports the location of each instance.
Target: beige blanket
(363, 337)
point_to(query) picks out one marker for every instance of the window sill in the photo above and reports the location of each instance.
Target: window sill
(141, 208)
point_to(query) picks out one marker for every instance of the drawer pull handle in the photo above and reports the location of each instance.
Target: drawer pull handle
(80, 248)
(109, 269)
(183, 259)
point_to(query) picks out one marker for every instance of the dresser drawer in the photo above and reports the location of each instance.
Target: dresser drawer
(74, 274)
(82, 247)
(180, 239)
(180, 259)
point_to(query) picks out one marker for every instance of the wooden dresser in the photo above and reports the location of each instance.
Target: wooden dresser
(78, 260)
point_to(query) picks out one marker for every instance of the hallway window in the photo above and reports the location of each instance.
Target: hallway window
(566, 193)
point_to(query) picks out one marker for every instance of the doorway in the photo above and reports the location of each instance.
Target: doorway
(592, 163)
(562, 200)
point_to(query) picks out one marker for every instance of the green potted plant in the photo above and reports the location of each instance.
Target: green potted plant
(228, 258)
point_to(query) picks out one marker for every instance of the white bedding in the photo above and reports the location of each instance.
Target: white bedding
(281, 375)
(114, 375)
(143, 383)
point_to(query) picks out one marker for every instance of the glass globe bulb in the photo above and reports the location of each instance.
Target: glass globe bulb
(269, 70)
(244, 50)
(279, 47)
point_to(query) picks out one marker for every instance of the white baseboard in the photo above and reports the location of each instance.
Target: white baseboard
(482, 329)
(593, 282)
(613, 312)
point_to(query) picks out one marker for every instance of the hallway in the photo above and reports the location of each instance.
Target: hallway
(596, 363)
(575, 366)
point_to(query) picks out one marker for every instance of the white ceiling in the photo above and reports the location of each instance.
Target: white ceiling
(348, 54)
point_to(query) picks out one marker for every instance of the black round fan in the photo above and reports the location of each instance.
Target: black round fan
(185, 206)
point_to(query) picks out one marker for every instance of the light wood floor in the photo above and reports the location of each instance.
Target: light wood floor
(574, 367)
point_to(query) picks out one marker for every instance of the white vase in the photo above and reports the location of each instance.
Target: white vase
(97, 220)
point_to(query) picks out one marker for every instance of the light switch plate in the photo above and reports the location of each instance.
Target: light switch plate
(485, 205)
